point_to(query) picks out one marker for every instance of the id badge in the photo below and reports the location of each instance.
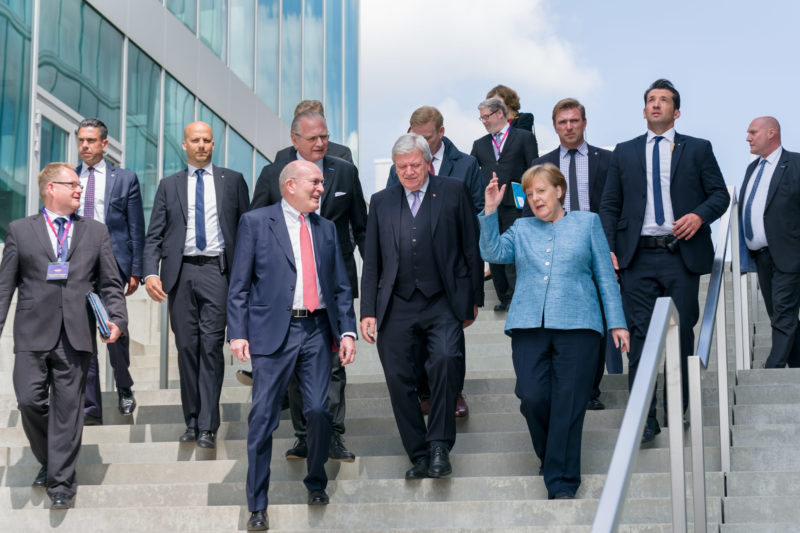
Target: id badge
(56, 271)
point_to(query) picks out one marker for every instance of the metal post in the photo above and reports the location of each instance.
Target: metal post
(163, 380)
(722, 385)
(741, 319)
(109, 371)
(698, 464)
(675, 418)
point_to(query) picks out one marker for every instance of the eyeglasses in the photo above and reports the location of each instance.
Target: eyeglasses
(71, 184)
(315, 183)
(484, 118)
(315, 138)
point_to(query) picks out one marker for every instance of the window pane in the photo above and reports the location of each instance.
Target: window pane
(312, 50)
(80, 61)
(205, 114)
(243, 39)
(351, 77)
(291, 58)
(141, 144)
(268, 43)
(214, 25)
(333, 68)
(178, 112)
(54, 144)
(15, 108)
(261, 162)
(186, 11)
(240, 157)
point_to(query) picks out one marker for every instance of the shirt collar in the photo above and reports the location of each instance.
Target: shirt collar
(290, 211)
(439, 153)
(423, 188)
(772, 158)
(318, 162)
(502, 131)
(668, 135)
(583, 149)
(208, 169)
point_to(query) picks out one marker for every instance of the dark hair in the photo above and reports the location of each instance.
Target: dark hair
(662, 83)
(94, 123)
(508, 95)
(568, 103)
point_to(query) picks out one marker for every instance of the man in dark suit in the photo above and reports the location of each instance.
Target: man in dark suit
(769, 203)
(585, 167)
(662, 192)
(54, 258)
(192, 235)
(342, 203)
(422, 282)
(334, 149)
(505, 152)
(289, 302)
(111, 196)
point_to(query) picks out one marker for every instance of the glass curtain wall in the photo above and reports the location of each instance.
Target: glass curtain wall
(291, 58)
(313, 51)
(205, 114)
(214, 26)
(243, 39)
(178, 112)
(333, 68)
(268, 51)
(185, 11)
(240, 157)
(351, 76)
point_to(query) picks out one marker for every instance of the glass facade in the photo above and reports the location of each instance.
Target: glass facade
(214, 25)
(240, 157)
(186, 11)
(205, 114)
(313, 51)
(243, 40)
(351, 76)
(178, 112)
(291, 57)
(268, 50)
(333, 69)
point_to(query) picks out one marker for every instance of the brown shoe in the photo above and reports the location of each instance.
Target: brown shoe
(462, 409)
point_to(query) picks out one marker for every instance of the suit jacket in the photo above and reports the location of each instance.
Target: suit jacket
(456, 164)
(166, 236)
(519, 151)
(44, 306)
(598, 169)
(782, 211)
(263, 279)
(124, 218)
(696, 186)
(524, 121)
(342, 203)
(454, 233)
(334, 150)
(562, 289)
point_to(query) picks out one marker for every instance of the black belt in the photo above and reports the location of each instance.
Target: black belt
(659, 241)
(201, 259)
(304, 313)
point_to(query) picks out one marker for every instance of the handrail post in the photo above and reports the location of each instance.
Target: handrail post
(163, 379)
(741, 333)
(698, 446)
(722, 385)
(675, 418)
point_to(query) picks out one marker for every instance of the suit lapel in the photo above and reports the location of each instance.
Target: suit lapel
(111, 182)
(435, 202)
(641, 145)
(40, 228)
(511, 138)
(780, 170)
(219, 188)
(677, 151)
(747, 175)
(329, 175)
(318, 242)
(396, 212)
(277, 224)
(78, 229)
(182, 183)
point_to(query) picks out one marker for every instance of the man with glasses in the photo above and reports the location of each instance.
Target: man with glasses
(334, 149)
(342, 202)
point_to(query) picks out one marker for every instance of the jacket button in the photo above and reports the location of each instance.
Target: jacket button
(291, 288)
(288, 307)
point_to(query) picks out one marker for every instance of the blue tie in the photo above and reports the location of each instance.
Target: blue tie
(748, 223)
(658, 203)
(61, 244)
(199, 212)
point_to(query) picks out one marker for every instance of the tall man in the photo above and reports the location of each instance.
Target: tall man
(342, 202)
(55, 257)
(112, 196)
(422, 282)
(505, 152)
(334, 149)
(192, 235)
(662, 191)
(289, 301)
(768, 209)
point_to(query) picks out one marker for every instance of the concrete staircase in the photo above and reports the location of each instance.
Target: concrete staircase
(134, 475)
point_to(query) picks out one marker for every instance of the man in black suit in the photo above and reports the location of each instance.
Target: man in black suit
(54, 258)
(422, 282)
(192, 235)
(334, 149)
(342, 203)
(769, 207)
(505, 152)
(663, 190)
(111, 196)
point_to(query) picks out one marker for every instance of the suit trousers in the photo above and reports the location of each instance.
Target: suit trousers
(49, 387)
(119, 355)
(197, 306)
(610, 357)
(305, 353)
(653, 273)
(504, 277)
(781, 292)
(336, 400)
(554, 371)
(429, 321)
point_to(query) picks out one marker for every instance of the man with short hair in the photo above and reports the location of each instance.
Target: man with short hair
(769, 206)
(334, 149)
(111, 196)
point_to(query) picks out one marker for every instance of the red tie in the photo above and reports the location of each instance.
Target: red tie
(310, 296)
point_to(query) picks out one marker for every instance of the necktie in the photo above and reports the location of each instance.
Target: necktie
(430, 167)
(199, 212)
(497, 146)
(415, 203)
(310, 296)
(61, 251)
(658, 203)
(748, 223)
(574, 204)
(88, 200)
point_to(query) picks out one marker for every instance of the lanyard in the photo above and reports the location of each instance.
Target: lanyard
(55, 232)
(498, 145)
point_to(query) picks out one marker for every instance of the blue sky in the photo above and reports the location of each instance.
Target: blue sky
(731, 61)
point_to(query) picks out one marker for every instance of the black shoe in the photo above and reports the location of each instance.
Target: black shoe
(420, 468)
(89, 420)
(501, 307)
(127, 403)
(258, 521)
(207, 439)
(41, 478)
(60, 501)
(595, 405)
(190, 435)
(245, 377)
(440, 462)
(650, 433)
(318, 497)
(338, 452)
(299, 450)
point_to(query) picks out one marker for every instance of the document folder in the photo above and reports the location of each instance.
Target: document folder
(100, 314)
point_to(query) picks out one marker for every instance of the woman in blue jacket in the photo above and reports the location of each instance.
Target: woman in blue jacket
(554, 321)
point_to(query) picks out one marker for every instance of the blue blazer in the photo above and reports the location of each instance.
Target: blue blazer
(556, 264)
(263, 277)
(124, 218)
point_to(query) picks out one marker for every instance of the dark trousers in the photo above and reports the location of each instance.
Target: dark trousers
(431, 322)
(423, 388)
(654, 273)
(554, 371)
(504, 277)
(197, 306)
(609, 357)
(336, 400)
(49, 388)
(781, 292)
(119, 355)
(305, 353)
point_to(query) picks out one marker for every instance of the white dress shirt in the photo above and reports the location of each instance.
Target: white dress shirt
(759, 240)
(215, 244)
(292, 217)
(99, 189)
(54, 237)
(649, 226)
(581, 172)
(410, 194)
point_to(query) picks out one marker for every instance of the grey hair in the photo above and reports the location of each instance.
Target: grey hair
(310, 115)
(493, 104)
(409, 142)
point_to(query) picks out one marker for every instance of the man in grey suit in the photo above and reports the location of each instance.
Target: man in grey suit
(54, 258)
(334, 149)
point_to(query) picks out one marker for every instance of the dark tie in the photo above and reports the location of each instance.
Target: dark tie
(310, 296)
(574, 204)
(658, 203)
(61, 222)
(415, 203)
(748, 223)
(199, 212)
(88, 199)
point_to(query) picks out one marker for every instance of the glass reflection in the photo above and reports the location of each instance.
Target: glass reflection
(351, 77)
(186, 11)
(54, 144)
(313, 50)
(243, 40)
(268, 58)
(205, 114)
(240, 156)
(261, 162)
(291, 58)
(214, 26)
(333, 68)
(178, 112)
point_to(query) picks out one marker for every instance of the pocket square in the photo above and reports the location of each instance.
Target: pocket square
(339, 193)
